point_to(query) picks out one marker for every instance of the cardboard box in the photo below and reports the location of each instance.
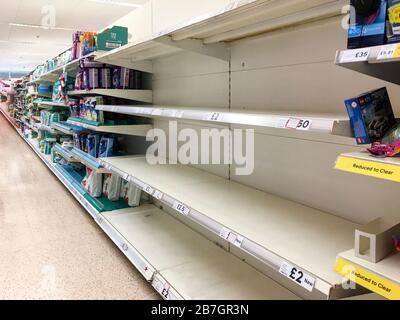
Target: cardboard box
(371, 116)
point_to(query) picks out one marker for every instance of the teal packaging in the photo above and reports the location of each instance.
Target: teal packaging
(112, 38)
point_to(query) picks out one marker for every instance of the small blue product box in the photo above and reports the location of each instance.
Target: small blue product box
(371, 116)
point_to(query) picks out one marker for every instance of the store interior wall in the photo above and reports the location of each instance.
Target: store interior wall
(287, 70)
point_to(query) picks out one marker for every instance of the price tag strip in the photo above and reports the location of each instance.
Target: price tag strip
(390, 51)
(298, 276)
(162, 288)
(367, 279)
(231, 237)
(215, 116)
(298, 124)
(369, 168)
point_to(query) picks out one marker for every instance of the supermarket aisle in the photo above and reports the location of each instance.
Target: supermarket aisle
(49, 246)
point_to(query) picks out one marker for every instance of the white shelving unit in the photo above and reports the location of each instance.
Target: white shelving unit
(53, 75)
(272, 229)
(380, 62)
(77, 155)
(51, 103)
(187, 265)
(134, 95)
(335, 125)
(205, 34)
(133, 130)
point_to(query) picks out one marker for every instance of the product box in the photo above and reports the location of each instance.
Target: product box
(371, 116)
(367, 23)
(112, 38)
(393, 21)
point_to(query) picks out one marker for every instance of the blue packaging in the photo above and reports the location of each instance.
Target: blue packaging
(371, 116)
(367, 23)
(106, 148)
(92, 144)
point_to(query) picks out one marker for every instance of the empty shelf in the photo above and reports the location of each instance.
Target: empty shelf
(193, 267)
(274, 230)
(331, 124)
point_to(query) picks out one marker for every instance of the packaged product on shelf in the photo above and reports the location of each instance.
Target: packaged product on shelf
(107, 146)
(112, 38)
(131, 193)
(121, 78)
(93, 183)
(136, 79)
(90, 78)
(74, 107)
(371, 116)
(88, 43)
(112, 186)
(105, 80)
(92, 145)
(393, 25)
(367, 23)
(77, 141)
(79, 81)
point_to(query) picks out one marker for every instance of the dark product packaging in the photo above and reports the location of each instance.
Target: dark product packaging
(393, 22)
(91, 78)
(136, 80)
(121, 78)
(371, 116)
(367, 23)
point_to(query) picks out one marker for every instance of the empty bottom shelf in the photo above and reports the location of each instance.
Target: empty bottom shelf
(192, 266)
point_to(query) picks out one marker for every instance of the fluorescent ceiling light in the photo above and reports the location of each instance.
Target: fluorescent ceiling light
(35, 26)
(118, 3)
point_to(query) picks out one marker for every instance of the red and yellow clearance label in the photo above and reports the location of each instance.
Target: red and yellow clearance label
(368, 280)
(369, 168)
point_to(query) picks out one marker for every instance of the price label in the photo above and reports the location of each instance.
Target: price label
(299, 124)
(148, 189)
(100, 221)
(158, 195)
(231, 237)
(386, 52)
(181, 208)
(157, 112)
(124, 247)
(356, 55)
(215, 116)
(126, 177)
(298, 276)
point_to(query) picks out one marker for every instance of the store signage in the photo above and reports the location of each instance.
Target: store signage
(297, 275)
(369, 168)
(367, 279)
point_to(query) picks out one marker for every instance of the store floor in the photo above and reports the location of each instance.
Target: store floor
(49, 246)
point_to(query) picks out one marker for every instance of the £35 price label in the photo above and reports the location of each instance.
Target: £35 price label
(298, 276)
(181, 208)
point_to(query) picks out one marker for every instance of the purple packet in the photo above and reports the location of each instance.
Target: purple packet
(91, 78)
(105, 78)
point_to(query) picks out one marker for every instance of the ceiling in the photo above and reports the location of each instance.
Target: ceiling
(22, 48)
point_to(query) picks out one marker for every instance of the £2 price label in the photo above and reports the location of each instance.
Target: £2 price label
(298, 276)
